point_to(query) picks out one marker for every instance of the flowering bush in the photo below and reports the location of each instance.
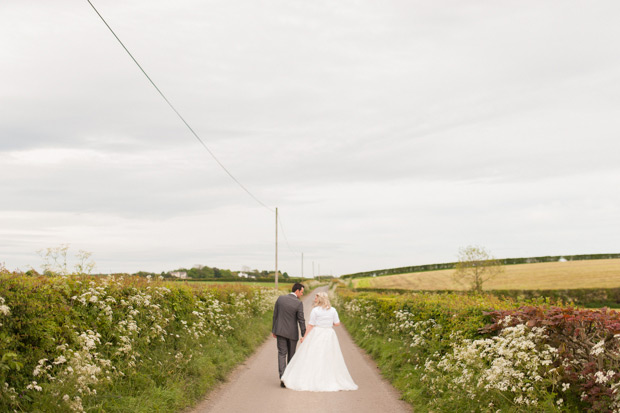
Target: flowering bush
(72, 343)
(478, 353)
(588, 344)
(515, 366)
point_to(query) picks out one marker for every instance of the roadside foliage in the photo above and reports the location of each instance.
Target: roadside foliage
(130, 344)
(479, 353)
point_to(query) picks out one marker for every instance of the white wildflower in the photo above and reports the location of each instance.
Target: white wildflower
(34, 386)
(598, 348)
(601, 377)
(60, 359)
(4, 309)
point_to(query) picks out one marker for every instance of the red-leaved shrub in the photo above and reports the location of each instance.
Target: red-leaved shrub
(588, 343)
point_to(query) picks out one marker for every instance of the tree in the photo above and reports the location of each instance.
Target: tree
(476, 266)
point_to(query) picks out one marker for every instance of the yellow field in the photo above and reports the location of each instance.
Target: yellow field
(543, 276)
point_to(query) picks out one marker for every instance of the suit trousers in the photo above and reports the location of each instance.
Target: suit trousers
(286, 346)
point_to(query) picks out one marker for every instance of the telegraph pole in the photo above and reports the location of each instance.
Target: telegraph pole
(302, 265)
(276, 277)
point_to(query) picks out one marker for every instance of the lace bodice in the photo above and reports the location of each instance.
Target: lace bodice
(321, 317)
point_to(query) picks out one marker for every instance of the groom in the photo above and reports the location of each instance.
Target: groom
(287, 313)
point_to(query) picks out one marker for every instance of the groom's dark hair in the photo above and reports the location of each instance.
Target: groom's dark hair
(297, 286)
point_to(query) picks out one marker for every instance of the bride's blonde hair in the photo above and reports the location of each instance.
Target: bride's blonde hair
(322, 300)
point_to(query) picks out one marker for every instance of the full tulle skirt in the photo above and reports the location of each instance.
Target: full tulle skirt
(318, 364)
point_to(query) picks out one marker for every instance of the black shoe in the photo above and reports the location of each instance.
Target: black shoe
(282, 384)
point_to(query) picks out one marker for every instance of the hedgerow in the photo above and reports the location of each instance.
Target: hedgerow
(582, 297)
(121, 343)
(483, 354)
(588, 347)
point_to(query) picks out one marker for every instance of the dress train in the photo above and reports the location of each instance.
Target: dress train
(318, 364)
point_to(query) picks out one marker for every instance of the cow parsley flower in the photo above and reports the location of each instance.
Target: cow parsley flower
(598, 348)
(4, 309)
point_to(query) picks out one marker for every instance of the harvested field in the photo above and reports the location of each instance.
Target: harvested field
(540, 276)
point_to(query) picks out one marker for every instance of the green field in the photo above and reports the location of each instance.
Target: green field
(540, 276)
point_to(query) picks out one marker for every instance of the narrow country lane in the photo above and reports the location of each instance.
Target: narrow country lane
(254, 386)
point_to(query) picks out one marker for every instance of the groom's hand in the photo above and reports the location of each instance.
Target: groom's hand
(301, 340)
(273, 335)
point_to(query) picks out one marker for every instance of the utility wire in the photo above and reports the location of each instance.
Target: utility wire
(178, 114)
(284, 233)
(191, 129)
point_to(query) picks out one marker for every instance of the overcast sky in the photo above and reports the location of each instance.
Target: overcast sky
(387, 133)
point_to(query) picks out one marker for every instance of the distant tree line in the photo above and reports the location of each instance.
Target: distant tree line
(203, 272)
(200, 272)
(504, 261)
(56, 262)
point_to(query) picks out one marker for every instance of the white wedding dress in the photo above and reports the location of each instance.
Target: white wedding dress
(318, 364)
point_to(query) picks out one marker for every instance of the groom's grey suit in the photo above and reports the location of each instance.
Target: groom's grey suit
(287, 314)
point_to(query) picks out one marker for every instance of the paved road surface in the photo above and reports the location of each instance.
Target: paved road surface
(254, 386)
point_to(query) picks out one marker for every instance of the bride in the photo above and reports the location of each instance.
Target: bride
(318, 364)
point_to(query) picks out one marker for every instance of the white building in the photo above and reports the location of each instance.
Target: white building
(179, 274)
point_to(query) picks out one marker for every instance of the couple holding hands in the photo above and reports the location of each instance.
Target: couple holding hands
(318, 364)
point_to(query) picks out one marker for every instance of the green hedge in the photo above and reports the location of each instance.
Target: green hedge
(473, 353)
(401, 346)
(122, 344)
(584, 297)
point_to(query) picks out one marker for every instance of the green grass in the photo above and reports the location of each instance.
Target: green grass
(157, 389)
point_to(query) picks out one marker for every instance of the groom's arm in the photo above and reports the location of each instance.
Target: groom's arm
(300, 319)
(275, 318)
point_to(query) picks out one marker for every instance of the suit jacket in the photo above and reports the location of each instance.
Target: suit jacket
(287, 313)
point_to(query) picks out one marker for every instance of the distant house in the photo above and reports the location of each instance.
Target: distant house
(179, 274)
(562, 259)
(243, 275)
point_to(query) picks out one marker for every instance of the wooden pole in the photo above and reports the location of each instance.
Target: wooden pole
(302, 265)
(276, 249)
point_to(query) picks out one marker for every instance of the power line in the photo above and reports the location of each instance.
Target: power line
(177, 112)
(285, 237)
(289, 245)
(191, 129)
